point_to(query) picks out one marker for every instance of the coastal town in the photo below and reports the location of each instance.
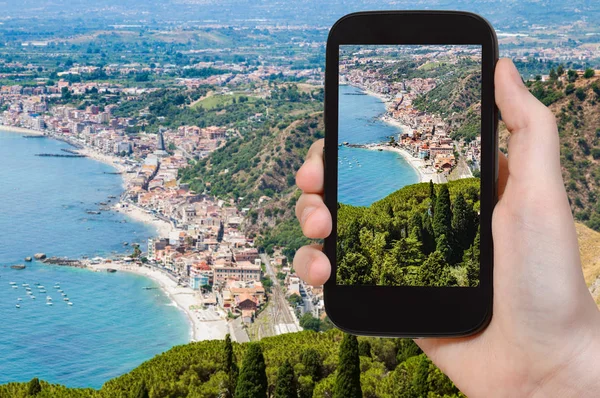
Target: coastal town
(201, 255)
(425, 139)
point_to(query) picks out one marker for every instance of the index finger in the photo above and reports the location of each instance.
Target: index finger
(310, 178)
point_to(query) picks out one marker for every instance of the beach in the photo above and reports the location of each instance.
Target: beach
(205, 324)
(163, 228)
(425, 173)
(20, 130)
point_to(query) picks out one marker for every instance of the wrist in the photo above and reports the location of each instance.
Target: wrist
(577, 377)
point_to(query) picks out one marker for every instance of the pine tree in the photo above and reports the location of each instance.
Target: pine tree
(347, 381)
(286, 384)
(141, 391)
(442, 216)
(419, 384)
(34, 387)
(252, 381)
(312, 363)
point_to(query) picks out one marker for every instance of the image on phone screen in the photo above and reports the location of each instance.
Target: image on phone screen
(409, 159)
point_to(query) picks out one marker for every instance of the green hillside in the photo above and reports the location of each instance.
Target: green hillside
(421, 235)
(389, 368)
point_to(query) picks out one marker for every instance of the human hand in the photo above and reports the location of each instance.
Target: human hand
(544, 336)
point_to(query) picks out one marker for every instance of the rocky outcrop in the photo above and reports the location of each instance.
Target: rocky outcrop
(39, 256)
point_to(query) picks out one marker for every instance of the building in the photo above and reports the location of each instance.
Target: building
(243, 271)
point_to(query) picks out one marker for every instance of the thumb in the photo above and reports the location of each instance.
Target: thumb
(534, 149)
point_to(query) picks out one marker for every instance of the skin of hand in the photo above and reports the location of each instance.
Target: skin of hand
(544, 337)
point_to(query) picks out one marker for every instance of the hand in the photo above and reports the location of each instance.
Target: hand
(544, 336)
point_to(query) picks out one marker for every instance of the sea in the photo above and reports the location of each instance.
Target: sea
(114, 323)
(364, 175)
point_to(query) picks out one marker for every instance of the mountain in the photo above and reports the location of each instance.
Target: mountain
(389, 368)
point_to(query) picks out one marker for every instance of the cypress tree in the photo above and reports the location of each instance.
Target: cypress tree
(286, 384)
(435, 272)
(463, 222)
(472, 260)
(427, 236)
(443, 246)
(231, 367)
(312, 363)
(34, 387)
(419, 384)
(141, 391)
(432, 197)
(252, 381)
(442, 216)
(347, 381)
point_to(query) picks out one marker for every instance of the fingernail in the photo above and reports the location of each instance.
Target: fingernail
(306, 213)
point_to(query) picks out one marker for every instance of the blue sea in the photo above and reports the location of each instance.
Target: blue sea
(114, 323)
(366, 176)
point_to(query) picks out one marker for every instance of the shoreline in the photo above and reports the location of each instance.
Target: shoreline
(19, 130)
(163, 228)
(184, 298)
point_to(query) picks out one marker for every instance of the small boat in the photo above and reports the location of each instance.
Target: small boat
(66, 299)
(37, 283)
(48, 303)
(48, 298)
(70, 303)
(18, 306)
(15, 286)
(103, 203)
(25, 285)
(92, 212)
(125, 244)
(12, 283)
(111, 270)
(43, 291)
(19, 299)
(28, 288)
(41, 287)
(32, 297)
(29, 293)
(60, 290)
(64, 294)
(56, 287)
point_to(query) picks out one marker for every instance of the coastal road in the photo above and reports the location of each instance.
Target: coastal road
(461, 170)
(282, 320)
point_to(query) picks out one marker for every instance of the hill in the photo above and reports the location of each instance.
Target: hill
(389, 368)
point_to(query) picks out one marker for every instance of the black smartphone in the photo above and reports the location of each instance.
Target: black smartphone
(410, 172)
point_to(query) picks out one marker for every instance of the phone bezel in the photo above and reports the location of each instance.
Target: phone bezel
(413, 311)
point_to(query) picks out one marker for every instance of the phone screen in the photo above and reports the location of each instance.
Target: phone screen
(409, 156)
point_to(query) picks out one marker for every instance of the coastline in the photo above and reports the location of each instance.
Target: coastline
(19, 130)
(213, 327)
(424, 173)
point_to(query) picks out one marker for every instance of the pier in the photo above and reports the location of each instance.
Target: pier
(59, 155)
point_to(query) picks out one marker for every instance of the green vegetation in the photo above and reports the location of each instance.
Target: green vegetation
(381, 368)
(420, 235)
(286, 383)
(347, 380)
(309, 322)
(220, 101)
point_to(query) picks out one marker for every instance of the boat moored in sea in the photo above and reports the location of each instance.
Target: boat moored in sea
(70, 303)
(49, 303)
(12, 283)
(48, 298)
(18, 306)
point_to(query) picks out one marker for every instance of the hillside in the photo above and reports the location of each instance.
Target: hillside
(389, 368)
(577, 108)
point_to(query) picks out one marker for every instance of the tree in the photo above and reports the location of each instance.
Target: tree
(34, 387)
(443, 247)
(560, 70)
(580, 94)
(286, 384)
(589, 72)
(141, 391)
(309, 322)
(571, 75)
(231, 369)
(312, 363)
(432, 197)
(354, 269)
(419, 385)
(364, 348)
(407, 349)
(553, 75)
(442, 216)
(463, 222)
(347, 381)
(435, 272)
(472, 260)
(252, 381)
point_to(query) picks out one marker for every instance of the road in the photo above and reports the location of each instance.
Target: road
(281, 318)
(461, 170)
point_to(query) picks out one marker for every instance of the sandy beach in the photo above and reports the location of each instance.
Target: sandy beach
(19, 130)
(205, 324)
(163, 228)
(425, 173)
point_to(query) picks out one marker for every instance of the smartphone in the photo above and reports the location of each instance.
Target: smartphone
(410, 172)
